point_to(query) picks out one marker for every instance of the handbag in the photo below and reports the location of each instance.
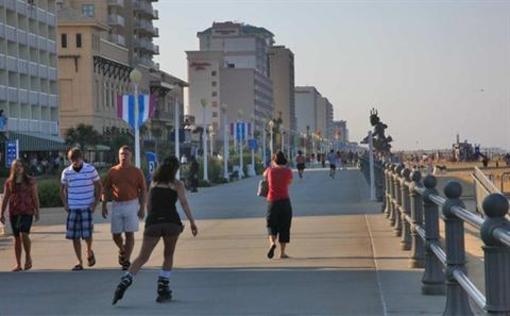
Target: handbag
(263, 188)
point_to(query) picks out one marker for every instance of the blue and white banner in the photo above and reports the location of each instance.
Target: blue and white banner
(240, 130)
(126, 108)
(11, 152)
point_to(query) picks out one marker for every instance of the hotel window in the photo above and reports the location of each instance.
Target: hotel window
(214, 93)
(78, 40)
(213, 73)
(63, 40)
(88, 10)
(214, 114)
(213, 83)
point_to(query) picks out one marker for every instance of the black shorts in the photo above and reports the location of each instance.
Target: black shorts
(21, 224)
(301, 166)
(279, 218)
(332, 167)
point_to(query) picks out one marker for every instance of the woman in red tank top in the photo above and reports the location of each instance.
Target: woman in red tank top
(279, 211)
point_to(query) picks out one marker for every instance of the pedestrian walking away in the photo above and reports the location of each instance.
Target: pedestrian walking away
(193, 174)
(125, 185)
(20, 193)
(300, 163)
(279, 210)
(80, 191)
(162, 222)
(332, 163)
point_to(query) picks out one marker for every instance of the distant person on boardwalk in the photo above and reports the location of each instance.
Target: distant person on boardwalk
(300, 163)
(193, 174)
(80, 191)
(20, 192)
(279, 211)
(332, 163)
(164, 222)
(125, 184)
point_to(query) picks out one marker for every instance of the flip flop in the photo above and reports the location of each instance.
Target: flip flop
(91, 261)
(77, 267)
(122, 257)
(16, 269)
(270, 253)
(28, 265)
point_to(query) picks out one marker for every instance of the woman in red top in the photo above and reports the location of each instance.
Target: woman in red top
(279, 211)
(20, 191)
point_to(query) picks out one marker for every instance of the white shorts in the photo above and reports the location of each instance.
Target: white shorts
(125, 216)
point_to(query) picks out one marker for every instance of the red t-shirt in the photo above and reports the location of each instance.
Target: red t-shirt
(279, 179)
(21, 201)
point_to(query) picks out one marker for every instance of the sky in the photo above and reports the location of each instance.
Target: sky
(432, 69)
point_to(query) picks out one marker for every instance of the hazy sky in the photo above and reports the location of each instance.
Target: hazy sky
(431, 68)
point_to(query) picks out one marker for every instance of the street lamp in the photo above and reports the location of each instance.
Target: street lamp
(241, 140)
(225, 141)
(252, 168)
(212, 134)
(136, 77)
(271, 125)
(203, 102)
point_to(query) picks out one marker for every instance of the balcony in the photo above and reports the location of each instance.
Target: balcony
(43, 99)
(3, 93)
(146, 9)
(22, 37)
(10, 33)
(42, 43)
(155, 14)
(51, 19)
(2, 30)
(2, 61)
(53, 101)
(33, 69)
(23, 95)
(116, 3)
(41, 16)
(52, 73)
(21, 7)
(116, 20)
(33, 97)
(32, 40)
(146, 27)
(43, 72)
(12, 95)
(23, 66)
(118, 39)
(52, 46)
(10, 4)
(12, 64)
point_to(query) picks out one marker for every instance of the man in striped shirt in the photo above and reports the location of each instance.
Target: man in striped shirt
(80, 191)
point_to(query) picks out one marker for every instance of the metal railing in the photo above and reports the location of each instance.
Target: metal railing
(412, 208)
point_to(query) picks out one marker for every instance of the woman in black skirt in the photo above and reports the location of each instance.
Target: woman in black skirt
(164, 222)
(279, 211)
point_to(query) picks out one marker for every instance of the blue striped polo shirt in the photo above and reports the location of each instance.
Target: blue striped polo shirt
(80, 186)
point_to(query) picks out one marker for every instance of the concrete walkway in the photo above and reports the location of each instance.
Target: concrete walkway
(345, 261)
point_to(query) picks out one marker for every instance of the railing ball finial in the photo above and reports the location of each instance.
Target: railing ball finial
(430, 182)
(453, 190)
(416, 176)
(495, 205)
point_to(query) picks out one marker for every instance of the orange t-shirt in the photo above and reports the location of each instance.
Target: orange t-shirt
(125, 183)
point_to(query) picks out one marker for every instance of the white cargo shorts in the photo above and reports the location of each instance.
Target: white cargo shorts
(125, 216)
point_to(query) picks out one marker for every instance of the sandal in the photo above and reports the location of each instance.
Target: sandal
(91, 261)
(77, 267)
(16, 269)
(28, 265)
(270, 253)
(122, 258)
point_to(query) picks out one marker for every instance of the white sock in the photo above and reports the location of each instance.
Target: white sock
(165, 273)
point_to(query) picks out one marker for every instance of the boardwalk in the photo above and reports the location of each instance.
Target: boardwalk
(345, 261)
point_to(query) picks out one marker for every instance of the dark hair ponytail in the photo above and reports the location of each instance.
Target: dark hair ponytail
(166, 172)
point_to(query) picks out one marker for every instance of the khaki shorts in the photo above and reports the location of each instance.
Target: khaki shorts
(125, 217)
(163, 229)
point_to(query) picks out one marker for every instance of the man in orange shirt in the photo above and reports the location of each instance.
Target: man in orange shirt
(125, 184)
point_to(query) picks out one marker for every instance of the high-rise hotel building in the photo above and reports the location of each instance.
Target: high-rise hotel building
(28, 68)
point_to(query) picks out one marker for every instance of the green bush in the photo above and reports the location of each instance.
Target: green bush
(49, 193)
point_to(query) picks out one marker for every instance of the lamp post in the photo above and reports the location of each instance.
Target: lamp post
(264, 143)
(212, 134)
(136, 76)
(283, 133)
(271, 126)
(203, 102)
(241, 141)
(177, 132)
(225, 141)
(252, 135)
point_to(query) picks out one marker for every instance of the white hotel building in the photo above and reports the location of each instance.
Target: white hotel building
(28, 73)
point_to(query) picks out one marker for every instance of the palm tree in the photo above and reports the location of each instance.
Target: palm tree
(82, 135)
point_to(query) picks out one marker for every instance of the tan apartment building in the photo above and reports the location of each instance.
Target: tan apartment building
(314, 113)
(281, 72)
